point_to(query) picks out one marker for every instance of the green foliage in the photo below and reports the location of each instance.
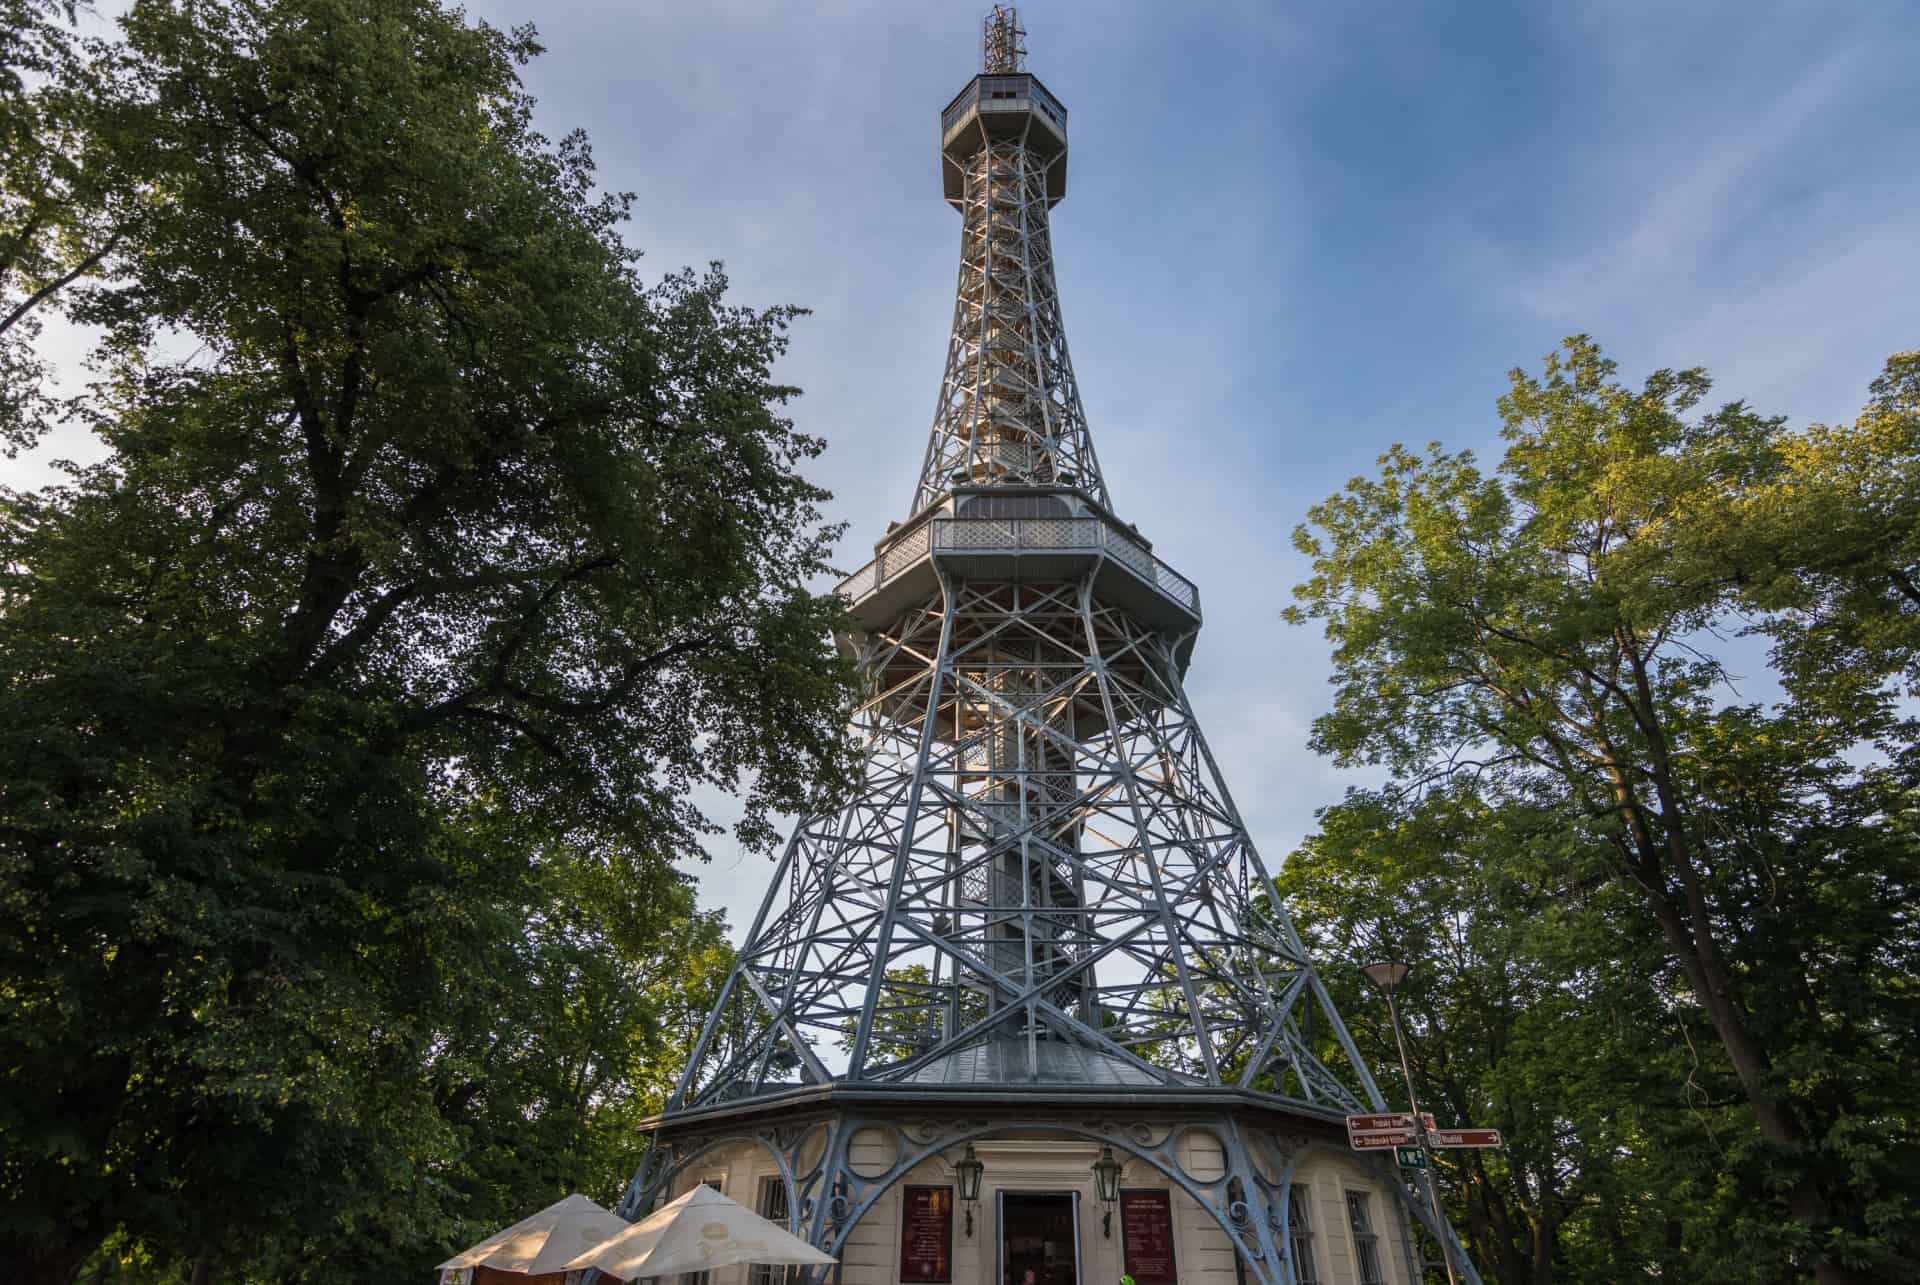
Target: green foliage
(908, 1015)
(352, 707)
(1536, 1008)
(57, 219)
(1547, 644)
(1829, 551)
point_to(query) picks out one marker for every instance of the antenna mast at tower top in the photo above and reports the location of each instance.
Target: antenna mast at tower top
(1004, 47)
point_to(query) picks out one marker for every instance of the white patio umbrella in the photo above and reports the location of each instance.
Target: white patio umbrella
(701, 1230)
(541, 1244)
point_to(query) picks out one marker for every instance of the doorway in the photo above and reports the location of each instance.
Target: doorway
(1039, 1232)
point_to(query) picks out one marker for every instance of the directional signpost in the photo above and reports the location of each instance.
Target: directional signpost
(1396, 1131)
(1412, 1135)
(1410, 1143)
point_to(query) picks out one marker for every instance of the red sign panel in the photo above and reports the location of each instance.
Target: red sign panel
(1465, 1137)
(1383, 1140)
(1146, 1229)
(1374, 1123)
(1391, 1120)
(926, 1235)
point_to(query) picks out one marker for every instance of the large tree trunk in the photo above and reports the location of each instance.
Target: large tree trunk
(1807, 1198)
(1543, 1228)
(1657, 851)
(1540, 1248)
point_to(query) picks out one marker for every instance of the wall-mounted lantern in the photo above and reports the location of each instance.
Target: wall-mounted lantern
(1106, 1184)
(969, 1172)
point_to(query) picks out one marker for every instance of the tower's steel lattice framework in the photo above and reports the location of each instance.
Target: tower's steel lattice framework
(1043, 880)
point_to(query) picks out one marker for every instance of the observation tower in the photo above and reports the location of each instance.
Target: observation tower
(1028, 1000)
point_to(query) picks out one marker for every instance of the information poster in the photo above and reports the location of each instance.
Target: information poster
(926, 1235)
(1146, 1228)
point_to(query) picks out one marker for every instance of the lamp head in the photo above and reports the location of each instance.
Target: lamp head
(1106, 1176)
(969, 1172)
(1387, 974)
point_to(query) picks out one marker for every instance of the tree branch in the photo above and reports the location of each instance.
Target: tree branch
(58, 283)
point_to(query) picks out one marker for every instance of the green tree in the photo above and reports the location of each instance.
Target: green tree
(571, 1036)
(1537, 1008)
(573, 1033)
(1547, 631)
(450, 557)
(1830, 550)
(57, 220)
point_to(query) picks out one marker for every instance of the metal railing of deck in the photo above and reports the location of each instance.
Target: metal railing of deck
(1026, 535)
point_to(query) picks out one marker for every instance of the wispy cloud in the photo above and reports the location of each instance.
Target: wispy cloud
(1762, 233)
(1688, 209)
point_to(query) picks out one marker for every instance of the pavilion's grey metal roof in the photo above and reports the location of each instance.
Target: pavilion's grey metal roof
(1004, 1062)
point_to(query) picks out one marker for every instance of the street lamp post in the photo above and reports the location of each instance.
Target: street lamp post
(1387, 976)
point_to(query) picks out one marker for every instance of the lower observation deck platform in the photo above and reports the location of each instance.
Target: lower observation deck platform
(1021, 550)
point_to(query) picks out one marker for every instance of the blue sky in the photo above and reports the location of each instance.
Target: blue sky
(1295, 234)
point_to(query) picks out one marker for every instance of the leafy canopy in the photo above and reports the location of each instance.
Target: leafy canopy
(437, 562)
(1562, 636)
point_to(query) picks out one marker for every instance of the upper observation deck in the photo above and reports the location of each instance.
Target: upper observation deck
(1004, 106)
(1020, 536)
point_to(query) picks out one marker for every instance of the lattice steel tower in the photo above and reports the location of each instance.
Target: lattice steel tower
(1043, 879)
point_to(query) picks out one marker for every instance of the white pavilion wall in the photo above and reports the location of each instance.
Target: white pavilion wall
(1203, 1253)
